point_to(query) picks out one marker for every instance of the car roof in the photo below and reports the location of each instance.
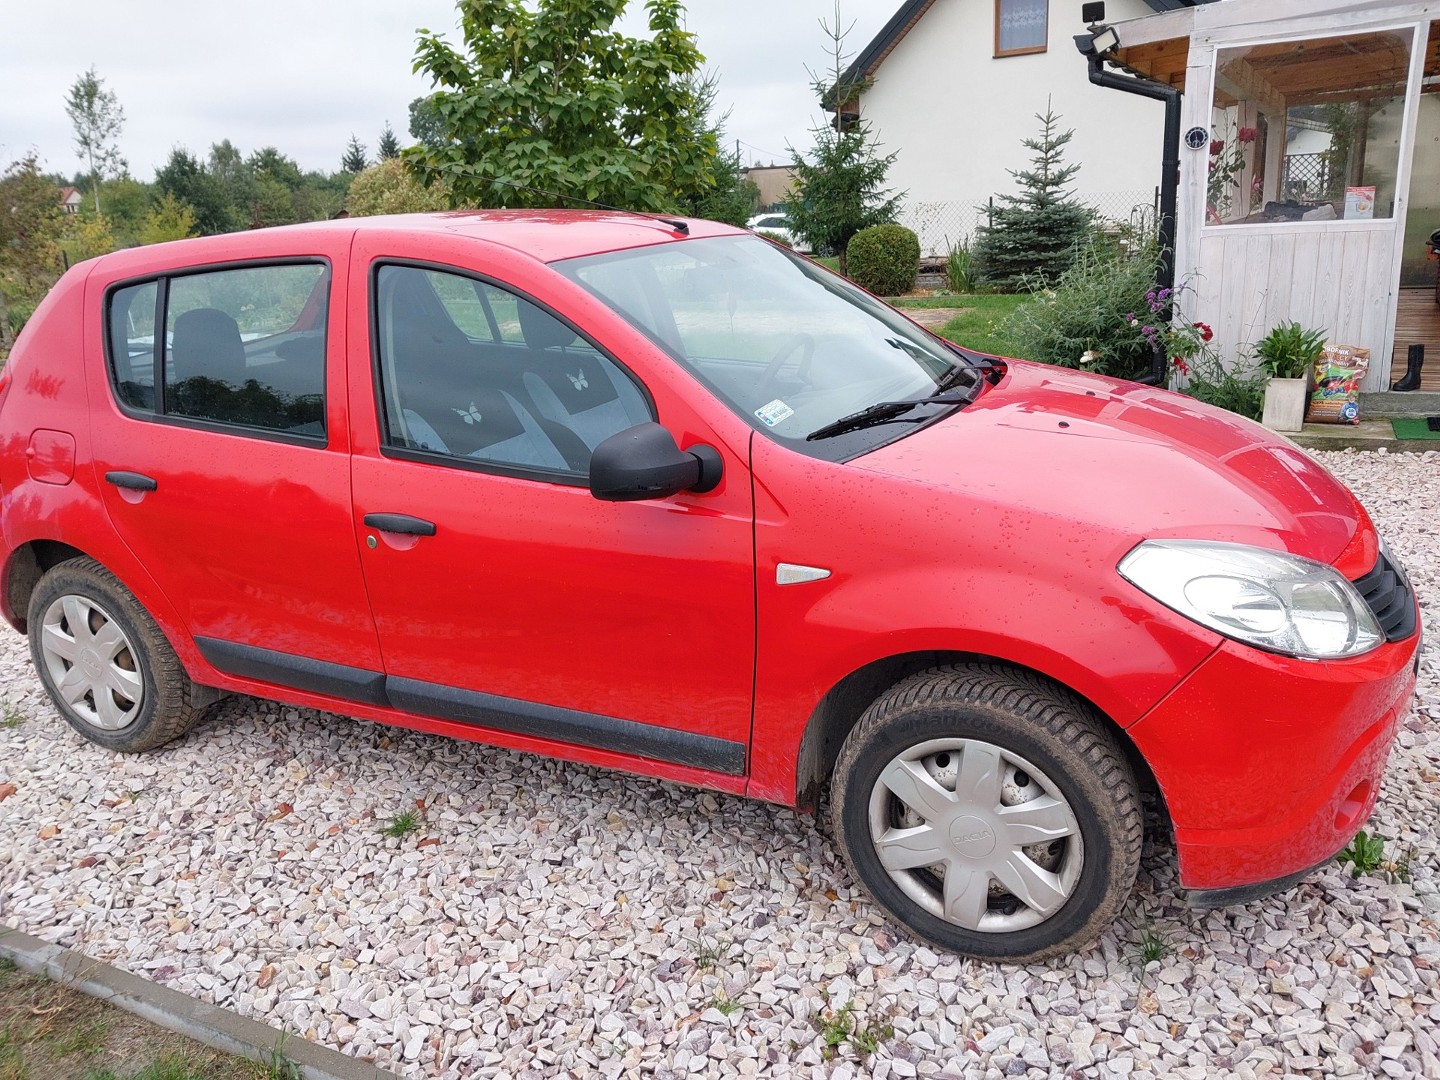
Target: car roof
(546, 235)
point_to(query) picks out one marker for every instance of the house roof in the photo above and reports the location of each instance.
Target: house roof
(910, 13)
(67, 192)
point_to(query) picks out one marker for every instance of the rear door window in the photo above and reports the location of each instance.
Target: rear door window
(242, 347)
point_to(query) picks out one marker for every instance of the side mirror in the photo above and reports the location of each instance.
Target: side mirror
(643, 462)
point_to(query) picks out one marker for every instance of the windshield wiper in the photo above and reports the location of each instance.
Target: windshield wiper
(883, 412)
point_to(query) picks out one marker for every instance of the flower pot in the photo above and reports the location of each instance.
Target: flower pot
(1285, 401)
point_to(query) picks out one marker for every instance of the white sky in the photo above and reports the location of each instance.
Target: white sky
(302, 75)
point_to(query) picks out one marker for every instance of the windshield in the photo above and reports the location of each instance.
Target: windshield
(789, 346)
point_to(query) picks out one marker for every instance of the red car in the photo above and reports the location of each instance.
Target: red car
(661, 496)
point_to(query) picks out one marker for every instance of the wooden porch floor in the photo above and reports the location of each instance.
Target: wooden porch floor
(1417, 321)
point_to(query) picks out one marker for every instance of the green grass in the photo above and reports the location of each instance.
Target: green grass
(402, 825)
(10, 717)
(979, 327)
(169, 1067)
(1153, 945)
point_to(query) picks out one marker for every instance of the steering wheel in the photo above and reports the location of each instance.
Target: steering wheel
(799, 340)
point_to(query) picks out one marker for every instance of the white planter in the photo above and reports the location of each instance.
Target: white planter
(1285, 401)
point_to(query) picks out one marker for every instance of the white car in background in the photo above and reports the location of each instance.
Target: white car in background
(778, 225)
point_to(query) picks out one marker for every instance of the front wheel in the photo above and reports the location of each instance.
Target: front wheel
(989, 812)
(104, 662)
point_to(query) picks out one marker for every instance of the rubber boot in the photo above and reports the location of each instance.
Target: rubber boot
(1414, 361)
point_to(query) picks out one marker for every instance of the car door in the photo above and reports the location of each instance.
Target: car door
(509, 601)
(223, 459)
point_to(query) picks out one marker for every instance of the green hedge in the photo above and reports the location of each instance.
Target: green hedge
(884, 259)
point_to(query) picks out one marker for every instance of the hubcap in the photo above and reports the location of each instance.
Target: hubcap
(976, 835)
(91, 663)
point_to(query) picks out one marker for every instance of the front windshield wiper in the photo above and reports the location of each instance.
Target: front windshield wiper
(882, 412)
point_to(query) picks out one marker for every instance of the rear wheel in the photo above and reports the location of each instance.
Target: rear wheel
(106, 665)
(989, 812)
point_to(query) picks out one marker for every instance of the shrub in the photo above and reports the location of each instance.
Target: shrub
(389, 188)
(1087, 318)
(884, 259)
(775, 237)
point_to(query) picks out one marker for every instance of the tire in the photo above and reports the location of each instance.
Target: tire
(924, 805)
(104, 662)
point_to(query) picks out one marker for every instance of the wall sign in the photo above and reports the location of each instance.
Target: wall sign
(1197, 138)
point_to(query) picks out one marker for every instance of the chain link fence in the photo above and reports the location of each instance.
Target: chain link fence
(943, 225)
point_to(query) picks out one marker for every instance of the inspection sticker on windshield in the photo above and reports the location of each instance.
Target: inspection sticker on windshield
(774, 413)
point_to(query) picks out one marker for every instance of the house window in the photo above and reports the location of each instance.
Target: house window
(1021, 26)
(1307, 130)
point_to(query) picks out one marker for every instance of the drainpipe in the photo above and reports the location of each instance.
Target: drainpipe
(1169, 181)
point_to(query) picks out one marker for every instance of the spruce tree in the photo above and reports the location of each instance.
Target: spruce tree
(840, 189)
(389, 146)
(1033, 236)
(354, 160)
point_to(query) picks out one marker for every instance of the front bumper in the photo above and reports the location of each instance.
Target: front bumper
(1269, 765)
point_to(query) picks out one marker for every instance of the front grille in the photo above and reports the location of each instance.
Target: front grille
(1386, 592)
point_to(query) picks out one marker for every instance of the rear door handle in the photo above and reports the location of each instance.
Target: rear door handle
(133, 480)
(400, 523)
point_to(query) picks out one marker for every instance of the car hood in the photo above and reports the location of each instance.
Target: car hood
(1130, 460)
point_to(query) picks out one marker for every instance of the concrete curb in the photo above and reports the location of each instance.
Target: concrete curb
(177, 1012)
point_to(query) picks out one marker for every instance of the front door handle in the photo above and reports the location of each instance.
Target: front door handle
(400, 523)
(133, 480)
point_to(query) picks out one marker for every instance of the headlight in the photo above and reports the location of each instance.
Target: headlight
(1268, 599)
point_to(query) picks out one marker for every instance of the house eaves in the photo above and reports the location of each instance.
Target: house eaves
(910, 13)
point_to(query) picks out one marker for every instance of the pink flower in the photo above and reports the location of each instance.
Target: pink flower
(1248, 135)
(1217, 146)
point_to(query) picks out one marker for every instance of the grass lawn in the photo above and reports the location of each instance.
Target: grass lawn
(50, 1032)
(978, 325)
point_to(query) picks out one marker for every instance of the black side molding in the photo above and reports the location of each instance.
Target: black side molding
(567, 725)
(299, 672)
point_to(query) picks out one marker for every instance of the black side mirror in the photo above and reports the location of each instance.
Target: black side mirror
(643, 462)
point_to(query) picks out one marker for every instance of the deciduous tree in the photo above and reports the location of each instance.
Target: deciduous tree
(389, 188)
(168, 219)
(549, 97)
(97, 117)
(30, 221)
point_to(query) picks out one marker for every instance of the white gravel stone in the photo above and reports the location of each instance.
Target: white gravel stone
(550, 919)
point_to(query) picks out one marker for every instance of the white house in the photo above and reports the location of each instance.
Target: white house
(955, 87)
(1312, 180)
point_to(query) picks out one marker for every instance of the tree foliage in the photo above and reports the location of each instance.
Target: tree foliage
(30, 223)
(387, 146)
(96, 114)
(86, 236)
(841, 187)
(1034, 236)
(549, 97)
(388, 188)
(354, 160)
(732, 196)
(168, 219)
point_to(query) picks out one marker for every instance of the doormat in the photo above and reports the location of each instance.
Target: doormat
(1416, 427)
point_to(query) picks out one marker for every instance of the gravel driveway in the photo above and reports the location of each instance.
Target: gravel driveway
(552, 919)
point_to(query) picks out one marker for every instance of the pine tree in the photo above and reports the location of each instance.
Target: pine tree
(1033, 236)
(841, 190)
(388, 145)
(354, 160)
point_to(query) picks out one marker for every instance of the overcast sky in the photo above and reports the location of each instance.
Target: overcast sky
(302, 75)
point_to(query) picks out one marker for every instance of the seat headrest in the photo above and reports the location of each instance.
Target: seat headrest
(207, 342)
(542, 330)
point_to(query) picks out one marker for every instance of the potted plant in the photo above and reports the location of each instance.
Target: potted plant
(1287, 354)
